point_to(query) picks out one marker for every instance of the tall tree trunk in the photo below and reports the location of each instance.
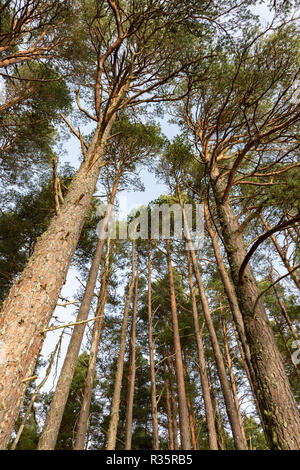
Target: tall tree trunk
(282, 255)
(183, 416)
(276, 400)
(247, 370)
(54, 416)
(209, 411)
(90, 376)
(230, 407)
(115, 406)
(218, 419)
(287, 348)
(154, 413)
(192, 424)
(232, 379)
(169, 411)
(32, 299)
(229, 289)
(173, 402)
(132, 370)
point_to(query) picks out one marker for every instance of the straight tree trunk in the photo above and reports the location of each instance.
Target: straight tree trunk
(284, 310)
(33, 298)
(50, 431)
(90, 377)
(154, 413)
(276, 400)
(183, 416)
(230, 407)
(229, 289)
(173, 402)
(115, 406)
(132, 370)
(232, 379)
(169, 412)
(209, 411)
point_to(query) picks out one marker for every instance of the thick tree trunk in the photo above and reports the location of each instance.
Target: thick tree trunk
(132, 370)
(115, 406)
(90, 377)
(232, 379)
(54, 416)
(183, 416)
(154, 413)
(277, 403)
(32, 299)
(209, 411)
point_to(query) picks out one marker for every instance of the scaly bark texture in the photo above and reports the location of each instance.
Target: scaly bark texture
(90, 376)
(115, 406)
(33, 298)
(155, 443)
(54, 416)
(276, 400)
(183, 415)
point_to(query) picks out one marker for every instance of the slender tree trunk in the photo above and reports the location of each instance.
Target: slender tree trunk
(169, 412)
(154, 413)
(247, 370)
(230, 407)
(229, 289)
(173, 403)
(183, 416)
(90, 377)
(287, 348)
(132, 370)
(209, 411)
(275, 397)
(282, 255)
(192, 424)
(284, 310)
(32, 299)
(174, 410)
(115, 406)
(232, 379)
(218, 419)
(54, 416)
